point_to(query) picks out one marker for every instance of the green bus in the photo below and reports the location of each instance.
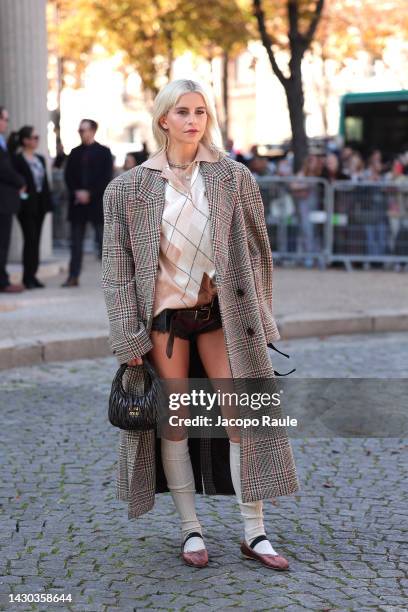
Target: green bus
(375, 120)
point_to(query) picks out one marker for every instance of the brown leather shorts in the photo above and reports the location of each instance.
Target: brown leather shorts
(187, 323)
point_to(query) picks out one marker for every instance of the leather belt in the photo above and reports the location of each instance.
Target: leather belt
(200, 313)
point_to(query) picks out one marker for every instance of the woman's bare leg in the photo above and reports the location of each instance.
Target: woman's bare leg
(213, 354)
(176, 458)
(174, 368)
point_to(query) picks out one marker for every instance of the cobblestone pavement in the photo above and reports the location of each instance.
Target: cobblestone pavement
(63, 531)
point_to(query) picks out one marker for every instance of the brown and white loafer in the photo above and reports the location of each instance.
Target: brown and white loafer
(276, 562)
(198, 558)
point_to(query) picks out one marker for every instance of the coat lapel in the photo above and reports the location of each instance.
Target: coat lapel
(221, 200)
(147, 212)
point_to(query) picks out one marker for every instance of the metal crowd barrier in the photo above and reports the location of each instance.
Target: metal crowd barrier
(311, 221)
(296, 218)
(369, 222)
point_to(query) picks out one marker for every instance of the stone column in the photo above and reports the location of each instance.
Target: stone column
(23, 85)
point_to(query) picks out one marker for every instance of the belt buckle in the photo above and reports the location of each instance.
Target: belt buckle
(201, 309)
(208, 313)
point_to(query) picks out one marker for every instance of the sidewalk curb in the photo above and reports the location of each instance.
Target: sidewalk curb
(93, 346)
(59, 349)
(374, 321)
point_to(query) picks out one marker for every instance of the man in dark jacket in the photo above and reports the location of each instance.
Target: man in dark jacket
(11, 183)
(88, 170)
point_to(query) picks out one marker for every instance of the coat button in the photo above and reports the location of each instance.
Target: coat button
(240, 292)
(114, 352)
(250, 331)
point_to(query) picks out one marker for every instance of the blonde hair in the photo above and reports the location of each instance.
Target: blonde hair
(168, 97)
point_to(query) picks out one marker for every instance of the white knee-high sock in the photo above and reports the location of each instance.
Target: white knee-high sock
(252, 512)
(180, 480)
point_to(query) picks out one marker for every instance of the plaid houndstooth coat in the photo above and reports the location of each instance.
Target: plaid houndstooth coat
(133, 207)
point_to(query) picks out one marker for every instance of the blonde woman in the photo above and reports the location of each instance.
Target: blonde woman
(187, 278)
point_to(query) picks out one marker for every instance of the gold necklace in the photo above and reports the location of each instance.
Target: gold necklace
(174, 165)
(184, 174)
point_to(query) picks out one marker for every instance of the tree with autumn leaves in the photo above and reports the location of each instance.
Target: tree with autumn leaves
(151, 34)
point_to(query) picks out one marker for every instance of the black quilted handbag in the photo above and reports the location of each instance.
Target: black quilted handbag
(137, 412)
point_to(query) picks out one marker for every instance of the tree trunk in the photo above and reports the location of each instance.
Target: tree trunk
(295, 98)
(298, 43)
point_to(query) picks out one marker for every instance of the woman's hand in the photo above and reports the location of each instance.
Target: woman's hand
(135, 361)
(82, 196)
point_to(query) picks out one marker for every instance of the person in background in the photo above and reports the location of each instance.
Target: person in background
(374, 167)
(229, 147)
(60, 157)
(374, 208)
(237, 154)
(331, 169)
(285, 166)
(345, 158)
(396, 173)
(130, 161)
(282, 212)
(397, 210)
(341, 236)
(143, 155)
(307, 197)
(355, 168)
(60, 226)
(11, 186)
(234, 153)
(88, 170)
(135, 158)
(36, 203)
(260, 165)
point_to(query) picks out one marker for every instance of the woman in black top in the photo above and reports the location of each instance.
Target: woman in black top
(35, 203)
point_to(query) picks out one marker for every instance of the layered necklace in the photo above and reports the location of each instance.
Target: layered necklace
(183, 172)
(174, 165)
(186, 167)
